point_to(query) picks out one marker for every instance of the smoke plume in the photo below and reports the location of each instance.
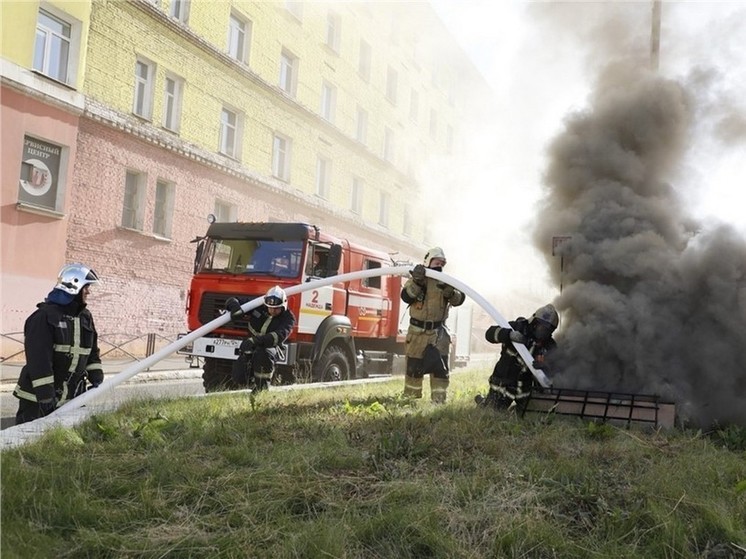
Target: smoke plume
(652, 301)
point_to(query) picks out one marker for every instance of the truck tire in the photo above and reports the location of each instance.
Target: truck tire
(216, 375)
(333, 365)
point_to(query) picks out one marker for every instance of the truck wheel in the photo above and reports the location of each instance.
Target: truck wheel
(333, 365)
(216, 375)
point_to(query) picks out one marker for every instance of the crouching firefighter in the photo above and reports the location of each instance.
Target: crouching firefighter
(270, 325)
(61, 346)
(428, 341)
(511, 381)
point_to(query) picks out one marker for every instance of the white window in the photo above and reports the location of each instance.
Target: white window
(388, 145)
(225, 212)
(323, 176)
(230, 133)
(449, 139)
(328, 101)
(172, 95)
(356, 195)
(164, 209)
(180, 10)
(239, 38)
(414, 106)
(281, 153)
(364, 63)
(392, 79)
(383, 209)
(407, 221)
(361, 125)
(433, 124)
(56, 46)
(288, 72)
(144, 81)
(333, 30)
(134, 200)
(295, 8)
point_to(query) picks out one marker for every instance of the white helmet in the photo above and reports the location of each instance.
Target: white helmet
(275, 298)
(74, 277)
(435, 252)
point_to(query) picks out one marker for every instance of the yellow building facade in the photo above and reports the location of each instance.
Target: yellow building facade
(252, 111)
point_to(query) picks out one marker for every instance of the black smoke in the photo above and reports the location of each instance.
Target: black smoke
(653, 301)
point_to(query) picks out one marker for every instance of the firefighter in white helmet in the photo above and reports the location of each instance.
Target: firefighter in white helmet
(61, 346)
(511, 381)
(269, 326)
(428, 340)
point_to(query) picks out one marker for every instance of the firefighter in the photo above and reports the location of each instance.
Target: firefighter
(61, 346)
(269, 326)
(511, 381)
(428, 340)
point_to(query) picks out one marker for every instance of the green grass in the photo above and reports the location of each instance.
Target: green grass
(360, 472)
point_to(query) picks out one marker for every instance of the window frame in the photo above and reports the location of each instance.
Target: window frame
(281, 156)
(144, 89)
(365, 59)
(222, 209)
(225, 128)
(184, 7)
(137, 197)
(323, 176)
(288, 81)
(328, 109)
(333, 30)
(165, 206)
(243, 30)
(392, 85)
(384, 201)
(361, 125)
(172, 102)
(357, 193)
(389, 144)
(73, 45)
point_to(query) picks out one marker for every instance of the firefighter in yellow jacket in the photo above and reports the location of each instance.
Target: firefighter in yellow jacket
(428, 340)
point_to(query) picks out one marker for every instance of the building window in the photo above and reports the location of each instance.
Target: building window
(230, 133)
(144, 81)
(392, 79)
(383, 209)
(406, 227)
(433, 124)
(361, 125)
(388, 145)
(281, 153)
(414, 106)
(225, 212)
(449, 139)
(40, 183)
(328, 101)
(134, 201)
(323, 176)
(288, 72)
(295, 8)
(356, 195)
(333, 30)
(55, 47)
(239, 38)
(164, 209)
(172, 96)
(364, 63)
(180, 10)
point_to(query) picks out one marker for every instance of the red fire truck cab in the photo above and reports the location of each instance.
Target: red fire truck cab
(343, 331)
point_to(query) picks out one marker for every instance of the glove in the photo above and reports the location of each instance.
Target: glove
(538, 364)
(517, 337)
(418, 274)
(247, 346)
(95, 384)
(491, 334)
(234, 307)
(447, 290)
(262, 341)
(48, 407)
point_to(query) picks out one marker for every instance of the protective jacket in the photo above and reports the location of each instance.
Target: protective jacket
(61, 345)
(428, 312)
(511, 380)
(271, 331)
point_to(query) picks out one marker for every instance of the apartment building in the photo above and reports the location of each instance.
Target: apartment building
(125, 123)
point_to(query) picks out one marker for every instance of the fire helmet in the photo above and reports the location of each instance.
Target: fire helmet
(275, 298)
(547, 315)
(435, 252)
(74, 277)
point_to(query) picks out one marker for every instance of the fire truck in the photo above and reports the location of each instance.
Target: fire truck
(343, 331)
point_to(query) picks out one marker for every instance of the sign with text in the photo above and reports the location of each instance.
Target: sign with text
(40, 172)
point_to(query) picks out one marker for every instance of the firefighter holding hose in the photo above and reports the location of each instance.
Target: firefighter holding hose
(61, 346)
(270, 325)
(428, 340)
(511, 381)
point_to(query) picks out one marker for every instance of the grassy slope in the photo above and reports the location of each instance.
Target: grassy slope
(358, 472)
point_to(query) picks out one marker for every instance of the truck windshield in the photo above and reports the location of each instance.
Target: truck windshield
(250, 256)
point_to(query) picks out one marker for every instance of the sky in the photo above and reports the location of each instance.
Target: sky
(542, 61)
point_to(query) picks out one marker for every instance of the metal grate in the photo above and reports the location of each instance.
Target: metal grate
(213, 305)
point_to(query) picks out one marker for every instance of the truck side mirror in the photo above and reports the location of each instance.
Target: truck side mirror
(334, 260)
